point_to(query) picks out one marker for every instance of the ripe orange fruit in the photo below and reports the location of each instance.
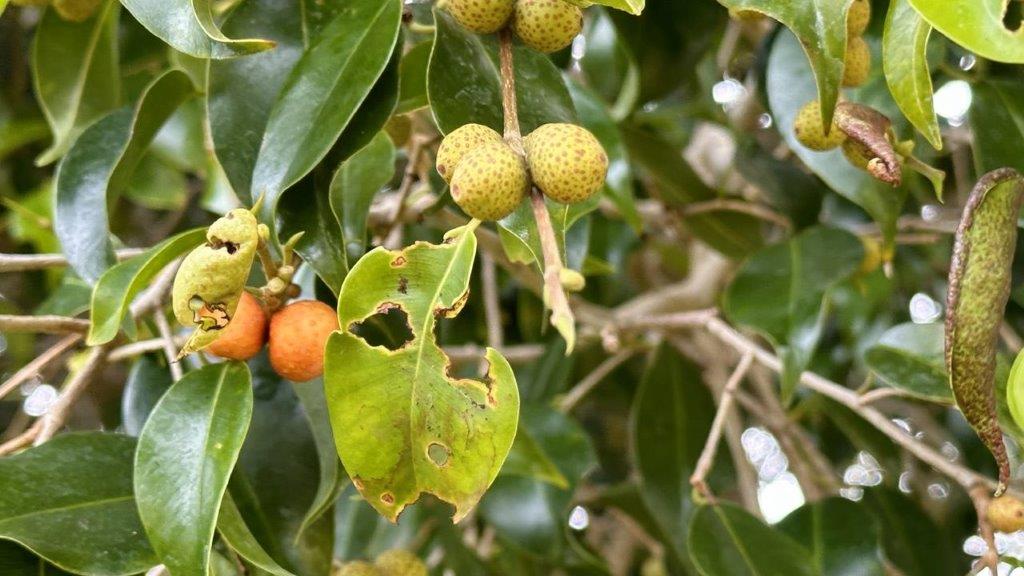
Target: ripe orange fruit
(245, 335)
(298, 334)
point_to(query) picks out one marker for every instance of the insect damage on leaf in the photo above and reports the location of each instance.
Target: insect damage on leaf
(979, 287)
(405, 422)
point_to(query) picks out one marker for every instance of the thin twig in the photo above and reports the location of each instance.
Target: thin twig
(26, 262)
(877, 394)
(169, 347)
(726, 205)
(707, 456)
(980, 497)
(520, 354)
(390, 237)
(129, 351)
(32, 369)
(43, 324)
(58, 413)
(591, 380)
(492, 307)
(22, 440)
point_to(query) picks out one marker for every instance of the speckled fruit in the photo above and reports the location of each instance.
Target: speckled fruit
(490, 182)
(547, 25)
(400, 563)
(857, 154)
(810, 131)
(566, 161)
(858, 18)
(482, 16)
(1006, 514)
(298, 334)
(858, 63)
(358, 568)
(460, 142)
(245, 335)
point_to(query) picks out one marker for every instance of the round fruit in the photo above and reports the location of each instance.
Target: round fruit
(460, 142)
(245, 335)
(857, 154)
(482, 16)
(400, 563)
(858, 63)
(566, 161)
(858, 18)
(490, 182)
(547, 25)
(1006, 514)
(810, 131)
(358, 568)
(298, 334)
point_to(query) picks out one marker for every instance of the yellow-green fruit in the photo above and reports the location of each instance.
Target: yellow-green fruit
(857, 154)
(460, 142)
(400, 563)
(810, 131)
(76, 10)
(547, 25)
(858, 18)
(858, 63)
(1006, 514)
(358, 568)
(490, 182)
(482, 16)
(566, 161)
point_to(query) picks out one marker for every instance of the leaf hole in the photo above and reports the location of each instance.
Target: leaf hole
(438, 453)
(388, 328)
(1013, 16)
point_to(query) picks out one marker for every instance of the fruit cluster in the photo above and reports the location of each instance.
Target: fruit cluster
(391, 563)
(544, 25)
(489, 179)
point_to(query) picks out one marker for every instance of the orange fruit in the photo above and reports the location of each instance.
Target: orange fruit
(298, 334)
(245, 335)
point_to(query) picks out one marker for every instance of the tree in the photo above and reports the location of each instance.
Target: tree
(360, 287)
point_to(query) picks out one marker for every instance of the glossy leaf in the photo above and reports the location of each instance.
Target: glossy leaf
(977, 25)
(671, 417)
(413, 88)
(233, 530)
(332, 477)
(726, 540)
(464, 86)
(98, 166)
(80, 487)
(610, 67)
(402, 425)
(905, 61)
(631, 6)
(186, 453)
(119, 285)
(148, 380)
(910, 357)
(75, 73)
(323, 93)
(997, 119)
(188, 26)
(782, 291)
(902, 521)
(842, 536)
(356, 182)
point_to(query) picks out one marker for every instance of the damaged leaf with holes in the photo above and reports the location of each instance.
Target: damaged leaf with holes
(404, 423)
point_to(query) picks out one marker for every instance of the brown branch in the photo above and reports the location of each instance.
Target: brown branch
(707, 456)
(390, 237)
(981, 497)
(727, 205)
(43, 324)
(54, 419)
(492, 306)
(595, 377)
(27, 262)
(169, 346)
(31, 369)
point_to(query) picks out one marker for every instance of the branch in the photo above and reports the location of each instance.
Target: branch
(26, 262)
(726, 205)
(55, 417)
(579, 391)
(31, 369)
(43, 324)
(707, 456)
(169, 346)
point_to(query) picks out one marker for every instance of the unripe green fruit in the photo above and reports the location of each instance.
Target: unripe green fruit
(811, 132)
(460, 142)
(482, 16)
(567, 162)
(490, 182)
(858, 63)
(547, 25)
(858, 18)
(358, 568)
(400, 563)
(1006, 514)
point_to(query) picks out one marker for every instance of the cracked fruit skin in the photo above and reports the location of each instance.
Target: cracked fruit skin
(566, 161)
(858, 63)
(246, 334)
(482, 16)
(1006, 514)
(858, 18)
(298, 334)
(460, 142)
(358, 568)
(810, 131)
(547, 25)
(400, 562)
(490, 182)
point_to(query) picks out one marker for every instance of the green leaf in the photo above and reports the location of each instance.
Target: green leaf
(902, 523)
(119, 285)
(148, 380)
(911, 357)
(789, 86)
(356, 182)
(609, 65)
(842, 535)
(905, 61)
(75, 73)
(726, 540)
(1015, 390)
(670, 419)
(788, 186)
(332, 477)
(997, 122)
(233, 530)
(185, 455)
(821, 27)
(634, 7)
(412, 92)
(782, 291)
(528, 459)
(306, 209)
(464, 85)
(402, 425)
(188, 26)
(328, 85)
(98, 166)
(77, 486)
(976, 25)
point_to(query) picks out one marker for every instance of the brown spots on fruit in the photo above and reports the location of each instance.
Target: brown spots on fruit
(566, 161)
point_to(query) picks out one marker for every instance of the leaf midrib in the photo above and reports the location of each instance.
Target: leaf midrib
(78, 506)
